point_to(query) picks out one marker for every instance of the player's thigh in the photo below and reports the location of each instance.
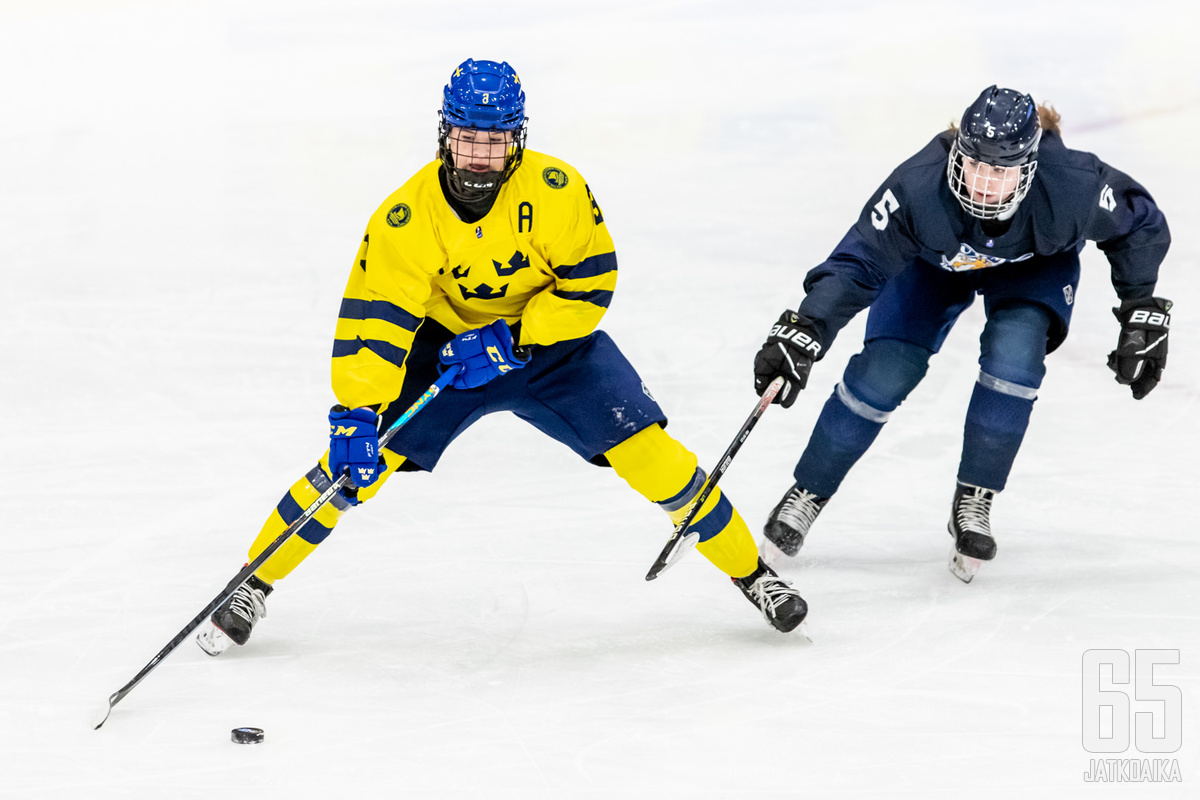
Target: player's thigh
(426, 435)
(1047, 282)
(587, 395)
(920, 306)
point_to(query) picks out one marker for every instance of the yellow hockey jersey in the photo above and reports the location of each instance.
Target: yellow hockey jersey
(541, 256)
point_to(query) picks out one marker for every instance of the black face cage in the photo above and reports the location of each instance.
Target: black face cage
(476, 187)
(1002, 209)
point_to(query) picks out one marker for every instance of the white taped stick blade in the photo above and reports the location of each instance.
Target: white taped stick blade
(682, 545)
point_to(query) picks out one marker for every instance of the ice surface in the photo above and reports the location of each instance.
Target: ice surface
(182, 191)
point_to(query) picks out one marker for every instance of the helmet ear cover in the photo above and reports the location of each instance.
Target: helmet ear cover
(482, 95)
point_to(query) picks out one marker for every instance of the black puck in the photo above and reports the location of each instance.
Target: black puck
(247, 735)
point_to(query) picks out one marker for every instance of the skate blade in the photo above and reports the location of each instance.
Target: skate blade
(772, 556)
(212, 640)
(963, 567)
(802, 631)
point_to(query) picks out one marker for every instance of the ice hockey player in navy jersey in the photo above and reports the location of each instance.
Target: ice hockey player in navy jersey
(997, 207)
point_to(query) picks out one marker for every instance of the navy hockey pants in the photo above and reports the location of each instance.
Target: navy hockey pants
(1028, 309)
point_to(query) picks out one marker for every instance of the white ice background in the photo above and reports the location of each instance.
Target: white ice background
(183, 187)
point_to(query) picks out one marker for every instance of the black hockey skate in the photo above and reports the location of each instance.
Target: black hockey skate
(970, 526)
(781, 605)
(789, 523)
(234, 619)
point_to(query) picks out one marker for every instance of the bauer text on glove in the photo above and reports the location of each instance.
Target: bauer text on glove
(790, 350)
(1141, 352)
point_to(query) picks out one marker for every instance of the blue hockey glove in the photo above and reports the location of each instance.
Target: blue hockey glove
(484, 354)
(1141, 353)
(790, 351)
(354, 445)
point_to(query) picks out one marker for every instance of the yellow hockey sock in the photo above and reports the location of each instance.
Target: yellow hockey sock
(302, 494)
(665, 472)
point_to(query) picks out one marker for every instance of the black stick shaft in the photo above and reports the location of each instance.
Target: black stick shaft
(262, 557)
(664, 558)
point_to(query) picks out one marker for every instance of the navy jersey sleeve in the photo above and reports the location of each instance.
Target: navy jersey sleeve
(879, 246)
(1131, 230)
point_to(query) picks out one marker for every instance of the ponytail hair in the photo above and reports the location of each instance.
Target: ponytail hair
(1049, 118)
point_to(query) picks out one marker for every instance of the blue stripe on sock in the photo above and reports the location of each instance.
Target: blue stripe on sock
(714, 521)
(312, 532)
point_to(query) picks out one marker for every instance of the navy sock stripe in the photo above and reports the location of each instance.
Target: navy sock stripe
(312, 531)
(714, 521)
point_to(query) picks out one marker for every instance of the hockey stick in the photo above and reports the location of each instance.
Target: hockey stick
(679, 544)
(248, 570)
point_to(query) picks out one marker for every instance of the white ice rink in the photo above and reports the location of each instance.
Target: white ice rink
(183, 187)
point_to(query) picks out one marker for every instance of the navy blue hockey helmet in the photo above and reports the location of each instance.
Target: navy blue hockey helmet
(1001, 130)
(481, 96)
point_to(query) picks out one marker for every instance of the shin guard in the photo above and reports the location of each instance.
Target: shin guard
(996, 422)
(665, 472)
(302, 494)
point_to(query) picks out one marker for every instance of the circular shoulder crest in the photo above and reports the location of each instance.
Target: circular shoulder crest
(399, 215)
(554, 177)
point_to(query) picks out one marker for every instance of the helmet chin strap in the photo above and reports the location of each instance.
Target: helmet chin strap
(1007, 215)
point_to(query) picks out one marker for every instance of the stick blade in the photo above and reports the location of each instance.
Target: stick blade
(676, 551)
(101, 717)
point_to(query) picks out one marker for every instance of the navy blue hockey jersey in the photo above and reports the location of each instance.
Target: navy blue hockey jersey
(914, 216)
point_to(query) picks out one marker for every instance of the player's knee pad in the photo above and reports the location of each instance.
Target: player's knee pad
(882, 376)
(1012, 348)
(652, 462)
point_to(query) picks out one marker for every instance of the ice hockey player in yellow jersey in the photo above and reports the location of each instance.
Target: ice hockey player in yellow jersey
(496, 261)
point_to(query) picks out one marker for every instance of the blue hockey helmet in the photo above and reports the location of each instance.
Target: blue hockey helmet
(486, 96)
(1000, 129)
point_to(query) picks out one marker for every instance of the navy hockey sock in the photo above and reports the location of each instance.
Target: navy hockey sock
(837, 442)
(996, 423)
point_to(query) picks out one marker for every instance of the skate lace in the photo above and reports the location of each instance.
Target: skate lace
(973, 512)
(249, 604)
(770, 591)
(799, 509)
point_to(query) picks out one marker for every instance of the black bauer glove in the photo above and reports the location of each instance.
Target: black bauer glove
(789, 351)
(1141, 352)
